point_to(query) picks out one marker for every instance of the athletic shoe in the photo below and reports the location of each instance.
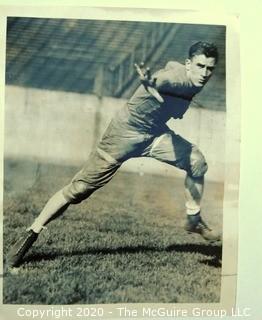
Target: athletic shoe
(20, 248)
(195, 224)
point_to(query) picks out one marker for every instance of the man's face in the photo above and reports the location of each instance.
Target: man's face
(199, 69)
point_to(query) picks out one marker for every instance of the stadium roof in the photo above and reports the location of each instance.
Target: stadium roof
(88, 56)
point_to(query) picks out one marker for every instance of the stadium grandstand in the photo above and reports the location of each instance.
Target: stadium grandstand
(97, 56)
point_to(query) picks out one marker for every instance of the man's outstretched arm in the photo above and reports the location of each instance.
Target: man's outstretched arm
(162, 81)
(148, 82)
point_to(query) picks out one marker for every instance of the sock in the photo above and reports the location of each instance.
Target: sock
(192, 208)
(37, 227)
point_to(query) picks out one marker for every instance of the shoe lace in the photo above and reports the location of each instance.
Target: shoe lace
(203, 225)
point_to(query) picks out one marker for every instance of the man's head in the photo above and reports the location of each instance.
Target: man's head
(201, 62)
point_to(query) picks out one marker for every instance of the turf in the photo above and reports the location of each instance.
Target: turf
(125, 244)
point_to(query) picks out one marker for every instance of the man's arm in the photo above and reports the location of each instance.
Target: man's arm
(148, 82)
(162, 81)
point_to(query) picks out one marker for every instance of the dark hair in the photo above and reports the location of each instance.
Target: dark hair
(202, 47)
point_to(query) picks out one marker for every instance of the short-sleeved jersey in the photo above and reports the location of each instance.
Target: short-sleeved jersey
(147, 114)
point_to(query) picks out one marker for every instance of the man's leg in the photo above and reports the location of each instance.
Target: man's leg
(174, 150)
(55, 207)
(98, 170)
(194, 187)
(119, 143)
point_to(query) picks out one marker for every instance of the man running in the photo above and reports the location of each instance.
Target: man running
(140, 129)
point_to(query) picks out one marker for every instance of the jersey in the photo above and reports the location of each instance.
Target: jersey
(140, 129)
(144, 112)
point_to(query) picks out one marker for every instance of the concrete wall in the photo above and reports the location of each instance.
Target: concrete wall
(61, 127)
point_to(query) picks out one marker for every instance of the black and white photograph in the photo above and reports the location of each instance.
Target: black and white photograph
(115, 162)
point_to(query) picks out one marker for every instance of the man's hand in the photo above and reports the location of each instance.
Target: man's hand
(145, 75)
(148, 82)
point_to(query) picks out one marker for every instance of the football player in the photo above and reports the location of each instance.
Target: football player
(140, 129)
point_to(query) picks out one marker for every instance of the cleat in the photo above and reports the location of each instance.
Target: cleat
(195, 224)
(20, 248)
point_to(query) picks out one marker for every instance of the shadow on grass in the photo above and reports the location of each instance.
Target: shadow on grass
(213, 252)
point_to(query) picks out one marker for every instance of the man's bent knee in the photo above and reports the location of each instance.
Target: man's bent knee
(198, 165)
(77, 191)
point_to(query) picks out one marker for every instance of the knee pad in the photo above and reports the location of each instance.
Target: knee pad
(198, 165)
(77, 191)
(79, 187)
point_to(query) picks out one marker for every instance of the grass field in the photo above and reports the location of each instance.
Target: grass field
(125, 244)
